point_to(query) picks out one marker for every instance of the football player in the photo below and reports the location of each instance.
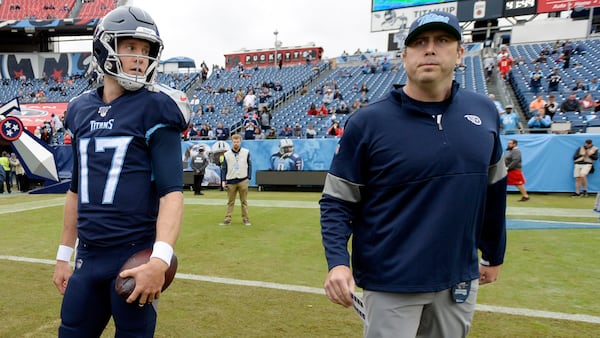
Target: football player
(285, 159)
(127, 189)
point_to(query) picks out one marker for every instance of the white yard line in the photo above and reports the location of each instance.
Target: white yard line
(510, 211)
(319, 291)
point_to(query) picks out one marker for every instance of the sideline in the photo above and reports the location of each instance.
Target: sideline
(510, 211)
(319, 291)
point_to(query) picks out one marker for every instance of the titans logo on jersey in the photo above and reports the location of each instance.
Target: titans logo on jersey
(112, 142)
(292, 162)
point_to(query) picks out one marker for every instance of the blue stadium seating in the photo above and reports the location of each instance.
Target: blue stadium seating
(582, 68)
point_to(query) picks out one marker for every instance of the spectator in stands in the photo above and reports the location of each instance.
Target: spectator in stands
(365, 68)
(535, 80)
(364, 88)
(489, 69)
(210, 108)
(594, 85)
(556, 47)
(46, 132)
(304, 91)
(540, 59)
(265, 118)
(580, 86)
(355, 105)
(56, 123)
(571, 104)
(194, 102)
(239, 96)
(263, 97)
(225, 110)
(258, 135)
(504, 66)
(327, 97)
(343, 108)
(537, 105)
(545, 51)
(338, 96)
(319, 90)
(297, 131)
(250, 100)
(312, 110)
(271, 135)
(221, 133)
(554, 80)
(310, 131)
(587, 104)
(286, 131)
(385, 64)
(504, 53)
(249, 127)
(551, 106)
(335, 130)
(540, 122)
(567, 47)
(204, 132)
(584, 162)
(323, 111)
(193, 133)
(566, 60)
(364, 99)
(509, 121)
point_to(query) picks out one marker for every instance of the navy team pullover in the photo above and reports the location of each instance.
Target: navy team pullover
(419, 186)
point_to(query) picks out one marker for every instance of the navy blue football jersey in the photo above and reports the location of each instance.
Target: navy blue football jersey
(113, 167)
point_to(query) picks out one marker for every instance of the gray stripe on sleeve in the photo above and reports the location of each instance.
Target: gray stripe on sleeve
(497, 171)
(342, 189)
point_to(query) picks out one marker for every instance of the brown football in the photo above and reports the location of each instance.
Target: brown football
(125, 286)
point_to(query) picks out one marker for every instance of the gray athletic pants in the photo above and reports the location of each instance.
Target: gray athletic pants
(432, 314)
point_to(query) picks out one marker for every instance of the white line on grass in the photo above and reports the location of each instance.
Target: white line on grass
(511, 211)
(319, 291)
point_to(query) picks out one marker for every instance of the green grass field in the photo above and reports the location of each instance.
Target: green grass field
(551, 270)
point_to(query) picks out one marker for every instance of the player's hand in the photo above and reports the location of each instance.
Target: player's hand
(149, 279)
(62, 273)
(488, 274)
(223, 184)
(339, 285)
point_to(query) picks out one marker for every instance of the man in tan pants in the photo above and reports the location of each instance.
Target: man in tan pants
(236, 172)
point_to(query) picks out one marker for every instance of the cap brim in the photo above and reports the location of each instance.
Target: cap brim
(430, 26)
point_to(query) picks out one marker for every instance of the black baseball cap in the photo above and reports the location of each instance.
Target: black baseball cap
(434, 20)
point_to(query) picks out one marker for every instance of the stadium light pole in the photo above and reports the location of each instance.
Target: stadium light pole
(276, 45)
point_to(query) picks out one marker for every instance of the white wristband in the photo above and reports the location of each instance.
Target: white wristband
(484, 262)
(162, 251)
(64, 253)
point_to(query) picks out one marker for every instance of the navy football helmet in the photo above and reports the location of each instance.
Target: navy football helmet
(126, 23)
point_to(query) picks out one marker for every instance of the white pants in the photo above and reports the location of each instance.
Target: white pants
(432, 314)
